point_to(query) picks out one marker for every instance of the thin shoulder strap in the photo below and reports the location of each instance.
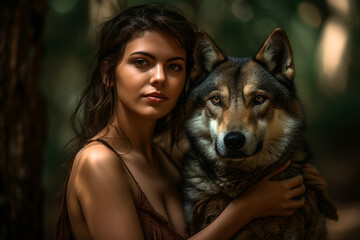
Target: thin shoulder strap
(117, 154)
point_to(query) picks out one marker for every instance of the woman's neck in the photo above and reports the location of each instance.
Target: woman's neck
(137, 131)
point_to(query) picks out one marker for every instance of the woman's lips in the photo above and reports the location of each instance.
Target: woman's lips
(155, 97)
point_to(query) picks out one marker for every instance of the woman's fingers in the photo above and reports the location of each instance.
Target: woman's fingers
(308, 177)
(282, 198)
(313, 177)
(297, 191)
(296, 203)
(291, 206)
(277, 171)
(293, 182)
(310, 169)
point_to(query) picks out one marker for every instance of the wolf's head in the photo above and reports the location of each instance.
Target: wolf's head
(243, 109)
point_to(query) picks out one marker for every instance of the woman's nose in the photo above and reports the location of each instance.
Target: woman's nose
(159, 76)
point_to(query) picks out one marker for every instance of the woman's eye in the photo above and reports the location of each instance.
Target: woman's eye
(141, 63)
(176, 67)
(216, 100)
(259, 99)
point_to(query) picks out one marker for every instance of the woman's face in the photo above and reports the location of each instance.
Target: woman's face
(151, 75)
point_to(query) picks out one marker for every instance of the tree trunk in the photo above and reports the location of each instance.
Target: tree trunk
(22, 123)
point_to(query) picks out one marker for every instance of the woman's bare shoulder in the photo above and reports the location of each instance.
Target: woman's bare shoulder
(101, 187)
(97, 164)
(95, 151)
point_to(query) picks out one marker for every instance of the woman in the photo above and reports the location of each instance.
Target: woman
(121, 185)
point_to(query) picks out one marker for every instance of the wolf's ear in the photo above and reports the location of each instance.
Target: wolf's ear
(206, 55)
(277, 55)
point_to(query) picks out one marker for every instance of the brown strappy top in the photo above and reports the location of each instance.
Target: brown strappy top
(154, 225)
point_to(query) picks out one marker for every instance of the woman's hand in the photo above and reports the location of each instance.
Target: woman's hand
(313, 177)
(275, 198)
(266, 198)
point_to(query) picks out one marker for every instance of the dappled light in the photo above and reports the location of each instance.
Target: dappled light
(333, 48)
(100, 10)
(310, 14)
(242, 10)
(63, 6)
(325, 39)
(333, 57)
(341, 7)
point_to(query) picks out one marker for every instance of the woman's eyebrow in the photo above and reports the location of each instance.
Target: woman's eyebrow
(143, 53)
(176, 58)
(153, 57)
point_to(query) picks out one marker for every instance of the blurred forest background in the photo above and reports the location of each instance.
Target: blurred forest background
(324, 35)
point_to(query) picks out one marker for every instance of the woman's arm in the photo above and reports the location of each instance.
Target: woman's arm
(267, 198)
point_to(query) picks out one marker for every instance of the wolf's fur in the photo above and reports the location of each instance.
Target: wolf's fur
(245, 120)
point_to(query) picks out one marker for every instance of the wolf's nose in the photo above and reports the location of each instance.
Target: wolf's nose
(234, 140)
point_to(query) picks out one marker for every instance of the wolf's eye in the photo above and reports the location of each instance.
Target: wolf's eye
(260, 99)
(216, 100)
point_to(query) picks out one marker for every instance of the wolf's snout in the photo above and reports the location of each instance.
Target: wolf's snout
(234, 141)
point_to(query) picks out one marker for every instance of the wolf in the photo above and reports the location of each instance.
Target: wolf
(244, 120)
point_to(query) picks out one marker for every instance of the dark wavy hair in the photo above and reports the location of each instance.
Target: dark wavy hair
(95, 108)
(96, 105)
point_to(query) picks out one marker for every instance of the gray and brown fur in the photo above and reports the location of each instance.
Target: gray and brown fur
(244, 121)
